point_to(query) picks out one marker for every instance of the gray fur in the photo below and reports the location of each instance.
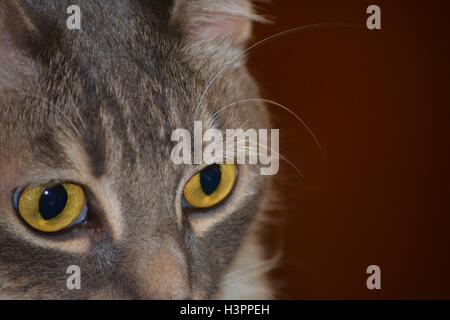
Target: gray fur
(117, 88)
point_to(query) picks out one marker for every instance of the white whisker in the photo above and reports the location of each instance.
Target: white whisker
(308, 129)
(272, 37)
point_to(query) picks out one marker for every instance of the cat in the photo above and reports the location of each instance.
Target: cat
(88, 114)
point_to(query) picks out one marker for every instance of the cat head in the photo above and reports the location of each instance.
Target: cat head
(87, 116)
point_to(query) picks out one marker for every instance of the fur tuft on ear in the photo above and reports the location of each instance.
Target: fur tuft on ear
(16, 65)
(215, 20)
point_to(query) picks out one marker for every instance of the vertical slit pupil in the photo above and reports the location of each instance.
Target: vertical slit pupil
(210, 178)
(52, 202)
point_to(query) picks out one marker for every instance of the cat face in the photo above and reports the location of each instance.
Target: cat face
(95, 109)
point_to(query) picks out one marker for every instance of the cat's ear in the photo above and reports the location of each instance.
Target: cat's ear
(16, 64)
(215, 21)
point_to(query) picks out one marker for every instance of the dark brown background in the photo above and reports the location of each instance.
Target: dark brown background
(378, 103)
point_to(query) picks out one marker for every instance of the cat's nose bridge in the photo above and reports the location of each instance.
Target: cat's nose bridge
(160, 270)
(156, 258)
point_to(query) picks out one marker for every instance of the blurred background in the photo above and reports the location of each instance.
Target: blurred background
(378, 103)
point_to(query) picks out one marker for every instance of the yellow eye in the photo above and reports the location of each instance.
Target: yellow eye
(51, 209)
(210, 186)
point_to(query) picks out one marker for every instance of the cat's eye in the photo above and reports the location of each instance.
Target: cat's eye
(210, 186)
(52, 208)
